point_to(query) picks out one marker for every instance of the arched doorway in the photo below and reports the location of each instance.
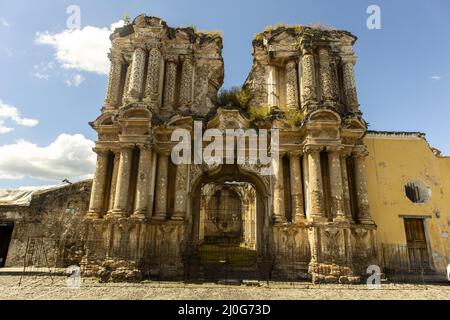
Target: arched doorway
(229, 231)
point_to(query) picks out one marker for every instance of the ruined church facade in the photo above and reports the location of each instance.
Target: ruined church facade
(150, 217)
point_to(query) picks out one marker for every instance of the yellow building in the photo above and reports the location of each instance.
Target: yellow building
(409, 195)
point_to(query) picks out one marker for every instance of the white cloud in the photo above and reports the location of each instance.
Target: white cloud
(4, 23)
(69, 156)
(4, 129)
(74, 81)
(437, 78)
(81, 49)
(8, 112)
(43, 76)
(42, 70)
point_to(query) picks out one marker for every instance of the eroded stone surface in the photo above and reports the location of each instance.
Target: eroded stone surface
(144, 212)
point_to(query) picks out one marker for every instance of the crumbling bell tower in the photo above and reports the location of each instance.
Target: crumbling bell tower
(304, 77)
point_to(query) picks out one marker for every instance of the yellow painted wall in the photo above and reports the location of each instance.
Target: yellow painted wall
(393, 161)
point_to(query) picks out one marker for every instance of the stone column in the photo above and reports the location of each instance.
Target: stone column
(143, 182)
(337, 191)
(291, 85)
(123, 182)
(298, 211)
(186, 88)
(317, 210)
(154, 70)
(98, 185)
(351, 96)
(169, 85)
(137, 75)
(279, 213)
(361, 187)
(335, 83)
(152, 183)
(162, 187)
(346, 188)
(114, 179)
(180, 192)
(326, 77)
(309, 95)
(126, 84)
(272, 86)
(113, 89)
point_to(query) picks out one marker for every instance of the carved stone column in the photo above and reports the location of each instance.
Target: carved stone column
(162, 187)
(337, 191)
(169, 85)
(335, 83)
(180, 192)
(152, 182)
(113, 89)
(123, 182)
(351, 96)
(291, 85)
(309, 96)
(143, 182)
(345, 183)
(317, 210)
(126, 84)
(186, 88)
(98, 185)
(298, 210)
(278, 194)
(361, 187)
(326, 77)
(154, 70)
(137, 75)
(114, 179)
(272, 86)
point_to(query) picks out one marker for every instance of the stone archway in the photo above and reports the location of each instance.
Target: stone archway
(225, 174)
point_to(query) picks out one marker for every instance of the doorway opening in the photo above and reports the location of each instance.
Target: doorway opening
(228, 237)
(417, 244)
(6, 230)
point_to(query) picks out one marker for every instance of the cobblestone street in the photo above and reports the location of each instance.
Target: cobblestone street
(36, 288)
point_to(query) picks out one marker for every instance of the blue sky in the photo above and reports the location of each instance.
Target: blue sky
(402, 72)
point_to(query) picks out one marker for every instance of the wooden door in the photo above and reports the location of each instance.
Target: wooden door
(417, 244)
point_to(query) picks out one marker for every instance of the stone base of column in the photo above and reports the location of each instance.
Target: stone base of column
(341, 219)
(318, 219)
(178, 216)
(115, 214)
(279, 219)
(93, 215)
(159, 216)
(366, 221)
(138, 215)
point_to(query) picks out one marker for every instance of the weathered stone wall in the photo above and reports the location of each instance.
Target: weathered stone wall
(52, 222)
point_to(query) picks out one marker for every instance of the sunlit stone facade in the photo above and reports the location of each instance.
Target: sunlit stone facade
(149, 217)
